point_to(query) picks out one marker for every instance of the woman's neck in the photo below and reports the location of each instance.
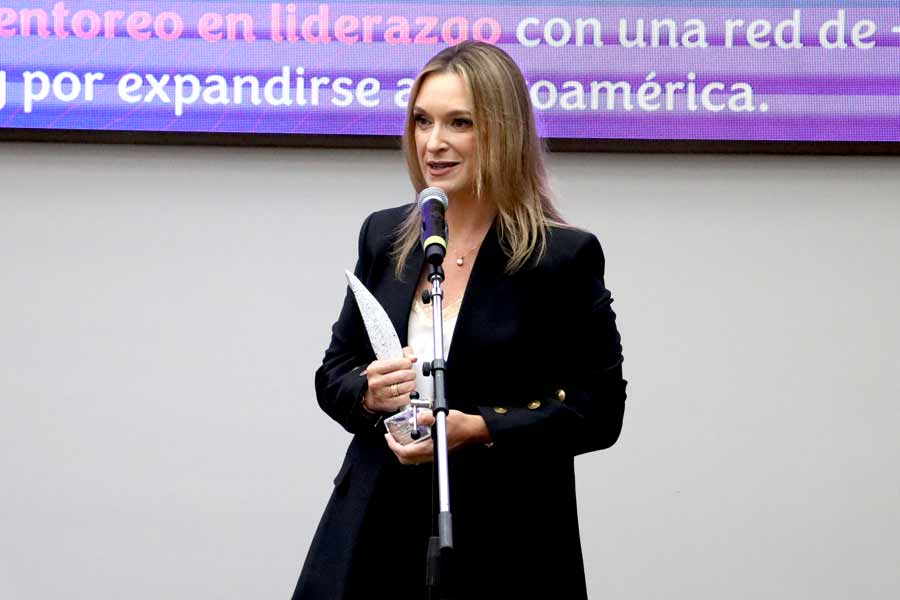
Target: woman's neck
(469, 217)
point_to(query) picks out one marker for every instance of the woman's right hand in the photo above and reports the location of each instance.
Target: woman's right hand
(390, 382)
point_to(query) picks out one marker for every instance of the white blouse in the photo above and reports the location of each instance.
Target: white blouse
(420, 337)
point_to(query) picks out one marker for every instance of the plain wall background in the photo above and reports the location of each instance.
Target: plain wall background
(162, 310)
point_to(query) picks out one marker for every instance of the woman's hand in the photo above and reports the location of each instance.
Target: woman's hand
(462, 429)
(390, 382)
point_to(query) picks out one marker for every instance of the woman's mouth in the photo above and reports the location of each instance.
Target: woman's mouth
(438, 168)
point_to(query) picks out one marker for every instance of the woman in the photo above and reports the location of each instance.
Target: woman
(533, 360)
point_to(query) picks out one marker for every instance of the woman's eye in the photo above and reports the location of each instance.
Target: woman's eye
(462, 123)
(421, 121)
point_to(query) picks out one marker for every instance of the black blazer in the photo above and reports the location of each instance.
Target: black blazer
(537, 354)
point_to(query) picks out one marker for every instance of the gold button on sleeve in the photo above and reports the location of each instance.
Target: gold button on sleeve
(561, 395)
(500, 410)
(534, 405)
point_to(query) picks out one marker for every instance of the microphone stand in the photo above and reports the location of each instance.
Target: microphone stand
(440, 544)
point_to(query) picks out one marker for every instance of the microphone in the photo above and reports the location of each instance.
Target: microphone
(433, 202)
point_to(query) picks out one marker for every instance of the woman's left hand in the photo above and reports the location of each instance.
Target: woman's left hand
(462, 429)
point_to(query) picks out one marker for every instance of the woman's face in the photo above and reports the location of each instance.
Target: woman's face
(445, 133)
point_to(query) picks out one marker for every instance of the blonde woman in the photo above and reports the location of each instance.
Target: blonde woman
(533, 360)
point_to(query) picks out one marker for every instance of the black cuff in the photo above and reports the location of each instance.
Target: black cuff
(366, 416)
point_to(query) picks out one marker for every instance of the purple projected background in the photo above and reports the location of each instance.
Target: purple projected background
(764, 70)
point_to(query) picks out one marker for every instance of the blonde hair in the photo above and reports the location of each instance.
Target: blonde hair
(510, 158)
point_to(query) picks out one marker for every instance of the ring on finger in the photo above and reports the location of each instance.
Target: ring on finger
(394, 390)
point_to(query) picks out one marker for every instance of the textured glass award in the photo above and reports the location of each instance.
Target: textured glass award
(386, 343)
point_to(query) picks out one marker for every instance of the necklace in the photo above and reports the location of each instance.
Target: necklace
(461, 258)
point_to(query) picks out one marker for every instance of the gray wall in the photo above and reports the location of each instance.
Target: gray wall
(162, 311)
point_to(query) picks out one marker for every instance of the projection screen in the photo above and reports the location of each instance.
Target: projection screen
(758, 70)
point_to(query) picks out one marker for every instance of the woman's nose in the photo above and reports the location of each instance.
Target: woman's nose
(436, 139)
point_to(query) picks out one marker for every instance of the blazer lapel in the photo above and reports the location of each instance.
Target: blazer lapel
(487, 272)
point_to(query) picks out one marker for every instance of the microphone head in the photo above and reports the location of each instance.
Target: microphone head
(433, 193)
(432, 204)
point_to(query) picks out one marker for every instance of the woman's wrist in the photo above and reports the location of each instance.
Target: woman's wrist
(367, 416)
(365, 407)
(478, 431)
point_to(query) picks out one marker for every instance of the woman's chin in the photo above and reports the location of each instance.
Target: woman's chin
(446, 184)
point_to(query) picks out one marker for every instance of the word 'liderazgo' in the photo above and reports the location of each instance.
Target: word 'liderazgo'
(322, 27)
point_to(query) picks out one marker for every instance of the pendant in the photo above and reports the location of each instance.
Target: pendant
(459, 261)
